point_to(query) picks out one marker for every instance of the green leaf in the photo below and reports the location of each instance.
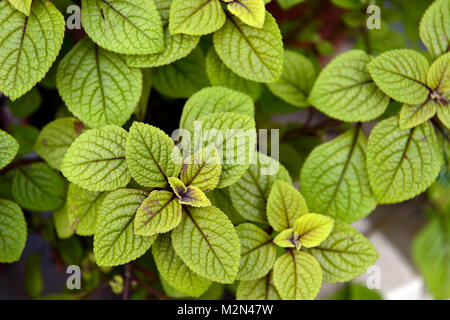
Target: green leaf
(176, 47)
(401, 163)
(62, 224)
(221, 198)
(174, 271)
(96, 160)
(285, 204)
(8, 149)
(258, 252)
(297, 79)
(196, 17)
(194, 197)
(439, 80)
(213, 100)
(357, 291)
(34, 282)
(249, 194)
(38, 187)
(334, 178)
(177, 186)
(260, 289)
(313, 229)
(402, 75)
(114, 241)
(254, 54)
(83, 208)
(26, 136)
(220, 75)
(251, 12)
(208, 244)
(182, 78)
(127, 27)
(287, 4)
(297, 276)
(414, 115)
(27, 104)
(344, 89)
(55, 139)
(152, 156)
(164, 10)
(345, 254)
(23, 6)
(97, 85)
(159, 213)
(288, 238)
(24, 60)
(13, 231)
(435, 28)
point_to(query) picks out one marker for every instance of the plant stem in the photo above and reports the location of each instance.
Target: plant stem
(151, 290)
(19, 163)
(127, 282)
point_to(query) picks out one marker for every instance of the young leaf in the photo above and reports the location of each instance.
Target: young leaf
(260, 289)
(439, 80)
(38, 187)
(176, 47)
(177, 186)
(56, 138)
(414, 115)
(23, 58)
(249, 194)
(297, 276)
(13, 231)
(313, 229)
(194, 197)
(159, 213)
(63, 226)
(344, 89)
(285, 204)
(8, 148)
(83, 209)
(151, 155)
(401, 163)
(402, 75)
(288, 238)
(208, 244)
(96, 160)
(196, 17)
(23, 6)
(258, 252)
(435, 28)
(174, 271)
(254, 54)
(213, 100)
(344, 255)
(114, 241)
(334, 178)
(297, 79)
(127, 27)
(251, 12)
(97, 86)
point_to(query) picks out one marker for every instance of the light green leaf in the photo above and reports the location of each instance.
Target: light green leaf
(213, 100)
(344, 89)
(38, 187)
(194, 197)
(55, 139)
(83, 208)
(435, 28)
(123, 26)
(96, 160)
(177, 186)
(152, 156)
(443, 113)
(8, 148)
(220, 75)
(258, 252)
(401, 163)
(345, 255)
(23, 6)
(221, 198)
(297, 276)
(24, 60)
(439, 80)
(196, 17)
(164, 10)
(176, 47)
(297, 79)
(251, 12)
(174, 271)
(288, 238)
(182, 78)
(27, 104)
(412, 116)
(208, 244)
(334, 178)
(159, 213)
(285, 204)
(313, 229)
(114, 241)
(62, 224)
(260, 289)
(254, 54)
(249, 194)
(402, 75)
(13, 231)
(97, 86)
